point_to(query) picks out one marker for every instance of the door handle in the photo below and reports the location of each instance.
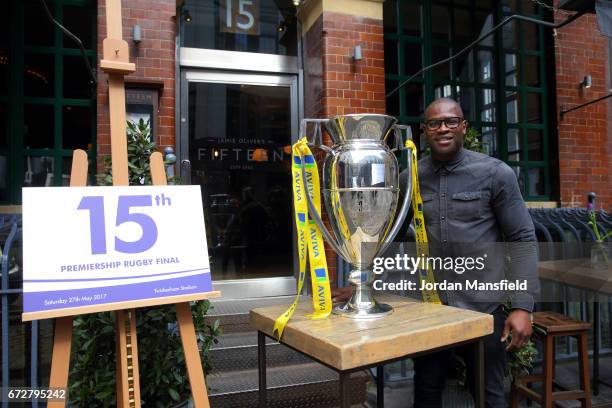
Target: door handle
(186, 171)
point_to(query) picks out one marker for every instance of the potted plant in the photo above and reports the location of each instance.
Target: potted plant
(600, 251)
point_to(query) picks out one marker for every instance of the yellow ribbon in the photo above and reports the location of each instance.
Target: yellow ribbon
(310, 240)
(425, 273)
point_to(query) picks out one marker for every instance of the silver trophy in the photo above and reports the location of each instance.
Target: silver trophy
(360, 191)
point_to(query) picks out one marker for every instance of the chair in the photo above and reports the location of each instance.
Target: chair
(547, 327)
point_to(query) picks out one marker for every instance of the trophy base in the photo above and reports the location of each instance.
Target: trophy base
(377, 310)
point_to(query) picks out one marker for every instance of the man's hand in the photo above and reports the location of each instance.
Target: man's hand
(519, 324)
(341, 294)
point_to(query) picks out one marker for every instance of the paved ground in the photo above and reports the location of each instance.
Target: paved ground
(400, 394)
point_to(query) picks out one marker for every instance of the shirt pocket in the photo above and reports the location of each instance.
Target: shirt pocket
(466, 206)
(431, 209)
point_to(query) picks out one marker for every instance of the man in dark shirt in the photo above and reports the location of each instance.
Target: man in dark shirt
(471, 201)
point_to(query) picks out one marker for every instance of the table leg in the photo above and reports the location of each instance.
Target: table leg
(380, 386)
(261, 365)
(479, 375)
(344, 396)
(596, 345)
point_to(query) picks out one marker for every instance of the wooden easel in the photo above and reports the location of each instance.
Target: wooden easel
(116, 64)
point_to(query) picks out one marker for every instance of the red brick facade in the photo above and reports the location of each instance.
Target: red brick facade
(336, 84)
(346, 86)
(154, 57)
(585, 147)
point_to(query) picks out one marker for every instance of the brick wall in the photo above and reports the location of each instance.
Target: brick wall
(352, 86)
(155, 62)
(335, 84)
(585, 146)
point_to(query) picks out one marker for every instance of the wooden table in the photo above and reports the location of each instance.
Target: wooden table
(346, 345)
(580, 274)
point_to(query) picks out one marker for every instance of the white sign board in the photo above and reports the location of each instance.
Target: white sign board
(89, 249)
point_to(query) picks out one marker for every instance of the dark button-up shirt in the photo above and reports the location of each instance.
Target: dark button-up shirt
(471, 205)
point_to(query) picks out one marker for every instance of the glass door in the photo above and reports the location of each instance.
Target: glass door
(236, 136)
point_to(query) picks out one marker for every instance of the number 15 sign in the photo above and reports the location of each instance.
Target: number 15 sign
(91, 249)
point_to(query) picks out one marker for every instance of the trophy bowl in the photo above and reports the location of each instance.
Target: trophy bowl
(361, 192)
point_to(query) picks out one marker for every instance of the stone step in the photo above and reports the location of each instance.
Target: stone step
(296, 386)
(294, 380)
(238, 351)
(233, 314)
(235, 323)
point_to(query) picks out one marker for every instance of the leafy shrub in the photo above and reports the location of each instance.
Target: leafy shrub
(163, 374)
(519, 362)
(471, 141)
(140, 147)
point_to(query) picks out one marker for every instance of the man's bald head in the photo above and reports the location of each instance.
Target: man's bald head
(444, 128)
(443, 104)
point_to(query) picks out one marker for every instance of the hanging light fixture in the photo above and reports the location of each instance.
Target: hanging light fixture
(587, 81)
(136, 34)
(186, 16)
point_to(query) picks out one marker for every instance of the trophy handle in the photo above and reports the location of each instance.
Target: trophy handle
(317, 138)
(407, 197)
(397, 136)
(331, 239)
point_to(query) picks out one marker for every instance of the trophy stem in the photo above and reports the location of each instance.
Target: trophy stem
(362, 304)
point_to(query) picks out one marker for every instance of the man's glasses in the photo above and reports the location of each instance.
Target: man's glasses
(451, 123)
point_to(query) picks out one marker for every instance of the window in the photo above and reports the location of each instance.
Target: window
(5, 107)
(53, 107)
(525, 115)
(47, 108)
(500, 83)
(403, 25)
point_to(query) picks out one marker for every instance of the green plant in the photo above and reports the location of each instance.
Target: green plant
(471, 140)
(140, 148)
(92, 377)
(599, 252)
(593, 223)
(163, 375)
(519, 362)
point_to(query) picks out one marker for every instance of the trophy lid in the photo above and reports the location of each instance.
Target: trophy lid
(367, 126)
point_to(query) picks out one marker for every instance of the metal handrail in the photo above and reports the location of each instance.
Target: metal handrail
(10, 226)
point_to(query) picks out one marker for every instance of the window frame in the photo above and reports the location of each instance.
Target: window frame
(429, 81)
(17, 152)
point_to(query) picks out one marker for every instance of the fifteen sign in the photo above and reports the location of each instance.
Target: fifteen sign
(239, 16)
